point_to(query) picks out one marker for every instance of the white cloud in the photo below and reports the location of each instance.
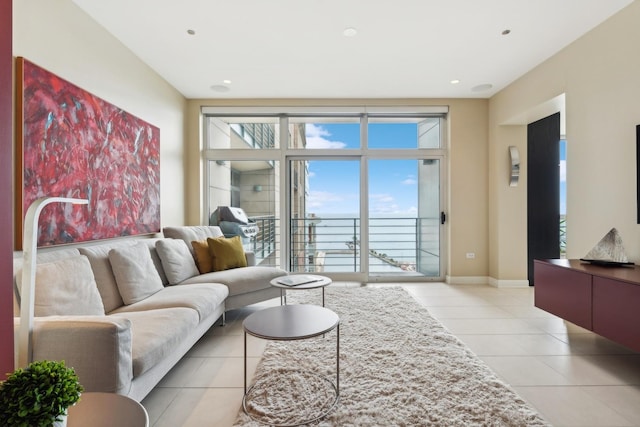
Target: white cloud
(386, 204)
(381, 198)
(563, 170)
(318, 137)
(410, 181)
(382, 208)
(318, 199)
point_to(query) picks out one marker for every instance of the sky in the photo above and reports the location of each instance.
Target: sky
(334, 185)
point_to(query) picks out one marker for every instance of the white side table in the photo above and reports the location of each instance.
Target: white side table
(107, 410)
(318, 282)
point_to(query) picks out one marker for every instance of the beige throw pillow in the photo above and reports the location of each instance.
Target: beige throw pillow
(65, 287)
(135, 273)
(177, 261)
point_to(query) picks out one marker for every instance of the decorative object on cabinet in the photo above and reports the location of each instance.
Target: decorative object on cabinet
(609, 251)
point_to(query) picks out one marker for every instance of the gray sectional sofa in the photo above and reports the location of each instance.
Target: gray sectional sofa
(124, 312)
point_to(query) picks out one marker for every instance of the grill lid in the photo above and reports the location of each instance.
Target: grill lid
(230, 214)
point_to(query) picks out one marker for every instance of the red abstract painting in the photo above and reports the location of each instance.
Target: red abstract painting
(74, 144)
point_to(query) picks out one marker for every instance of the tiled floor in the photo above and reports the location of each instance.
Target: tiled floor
(570, 375)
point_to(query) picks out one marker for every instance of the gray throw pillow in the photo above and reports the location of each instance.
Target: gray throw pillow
(177, 261)
(65, 287)
(135, 273)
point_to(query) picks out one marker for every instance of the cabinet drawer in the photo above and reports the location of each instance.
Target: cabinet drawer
(563, 292)
(616, 311)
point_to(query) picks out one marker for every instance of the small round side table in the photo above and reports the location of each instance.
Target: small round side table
(107, 410)
(313, 281)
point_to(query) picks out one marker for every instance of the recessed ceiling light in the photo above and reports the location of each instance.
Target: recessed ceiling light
(220, 88)
(191, 32)
(505, 32)
(482, 87)
(455, 81)
(227, 82)
(350, 32)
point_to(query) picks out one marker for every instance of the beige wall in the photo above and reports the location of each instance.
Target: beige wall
(600, 77)
(58, 36)
(468, 181)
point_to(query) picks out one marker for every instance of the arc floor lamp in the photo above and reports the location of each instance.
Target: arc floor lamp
(23, 351)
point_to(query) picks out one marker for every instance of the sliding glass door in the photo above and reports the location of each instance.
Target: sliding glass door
(404, 218)
(353, 196)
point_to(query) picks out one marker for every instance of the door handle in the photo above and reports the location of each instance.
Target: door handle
(443, 217)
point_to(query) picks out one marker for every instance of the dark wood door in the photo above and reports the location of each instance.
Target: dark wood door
(543, 190)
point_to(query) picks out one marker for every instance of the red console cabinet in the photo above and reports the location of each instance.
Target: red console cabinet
(605, 300)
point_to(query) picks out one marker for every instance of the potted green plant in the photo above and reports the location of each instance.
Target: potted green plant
(38, 395)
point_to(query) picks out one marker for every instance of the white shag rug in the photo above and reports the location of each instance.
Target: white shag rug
(398, 367)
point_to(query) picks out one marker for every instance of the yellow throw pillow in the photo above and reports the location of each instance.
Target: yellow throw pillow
(202, 255)
(226, 253)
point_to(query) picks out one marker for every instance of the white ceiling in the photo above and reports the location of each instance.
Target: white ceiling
(296, 48)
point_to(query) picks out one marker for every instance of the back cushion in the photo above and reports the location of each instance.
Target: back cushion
(177, 261)
(202, 256)
(226, 253)
(43, 255)
(65, 287)
(190, 233)
(136, 275)
(155, 256)
(99, 258)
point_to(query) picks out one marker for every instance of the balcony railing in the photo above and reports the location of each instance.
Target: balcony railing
(264, 245)
(400, 245)
(396, 245)
(404, 246)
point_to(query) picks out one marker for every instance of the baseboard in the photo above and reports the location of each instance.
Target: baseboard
(467, 280)
(508, 283)
(484, 280)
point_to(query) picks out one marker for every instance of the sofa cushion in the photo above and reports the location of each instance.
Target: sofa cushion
(41, 257)
(192, 233)
(157, 333)
(202, 297)
(65, 287)
(155, 257)
(99, 258)
(226, 253)
(202, 256)
(136, 275)
(240, 280)
(177, 261)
